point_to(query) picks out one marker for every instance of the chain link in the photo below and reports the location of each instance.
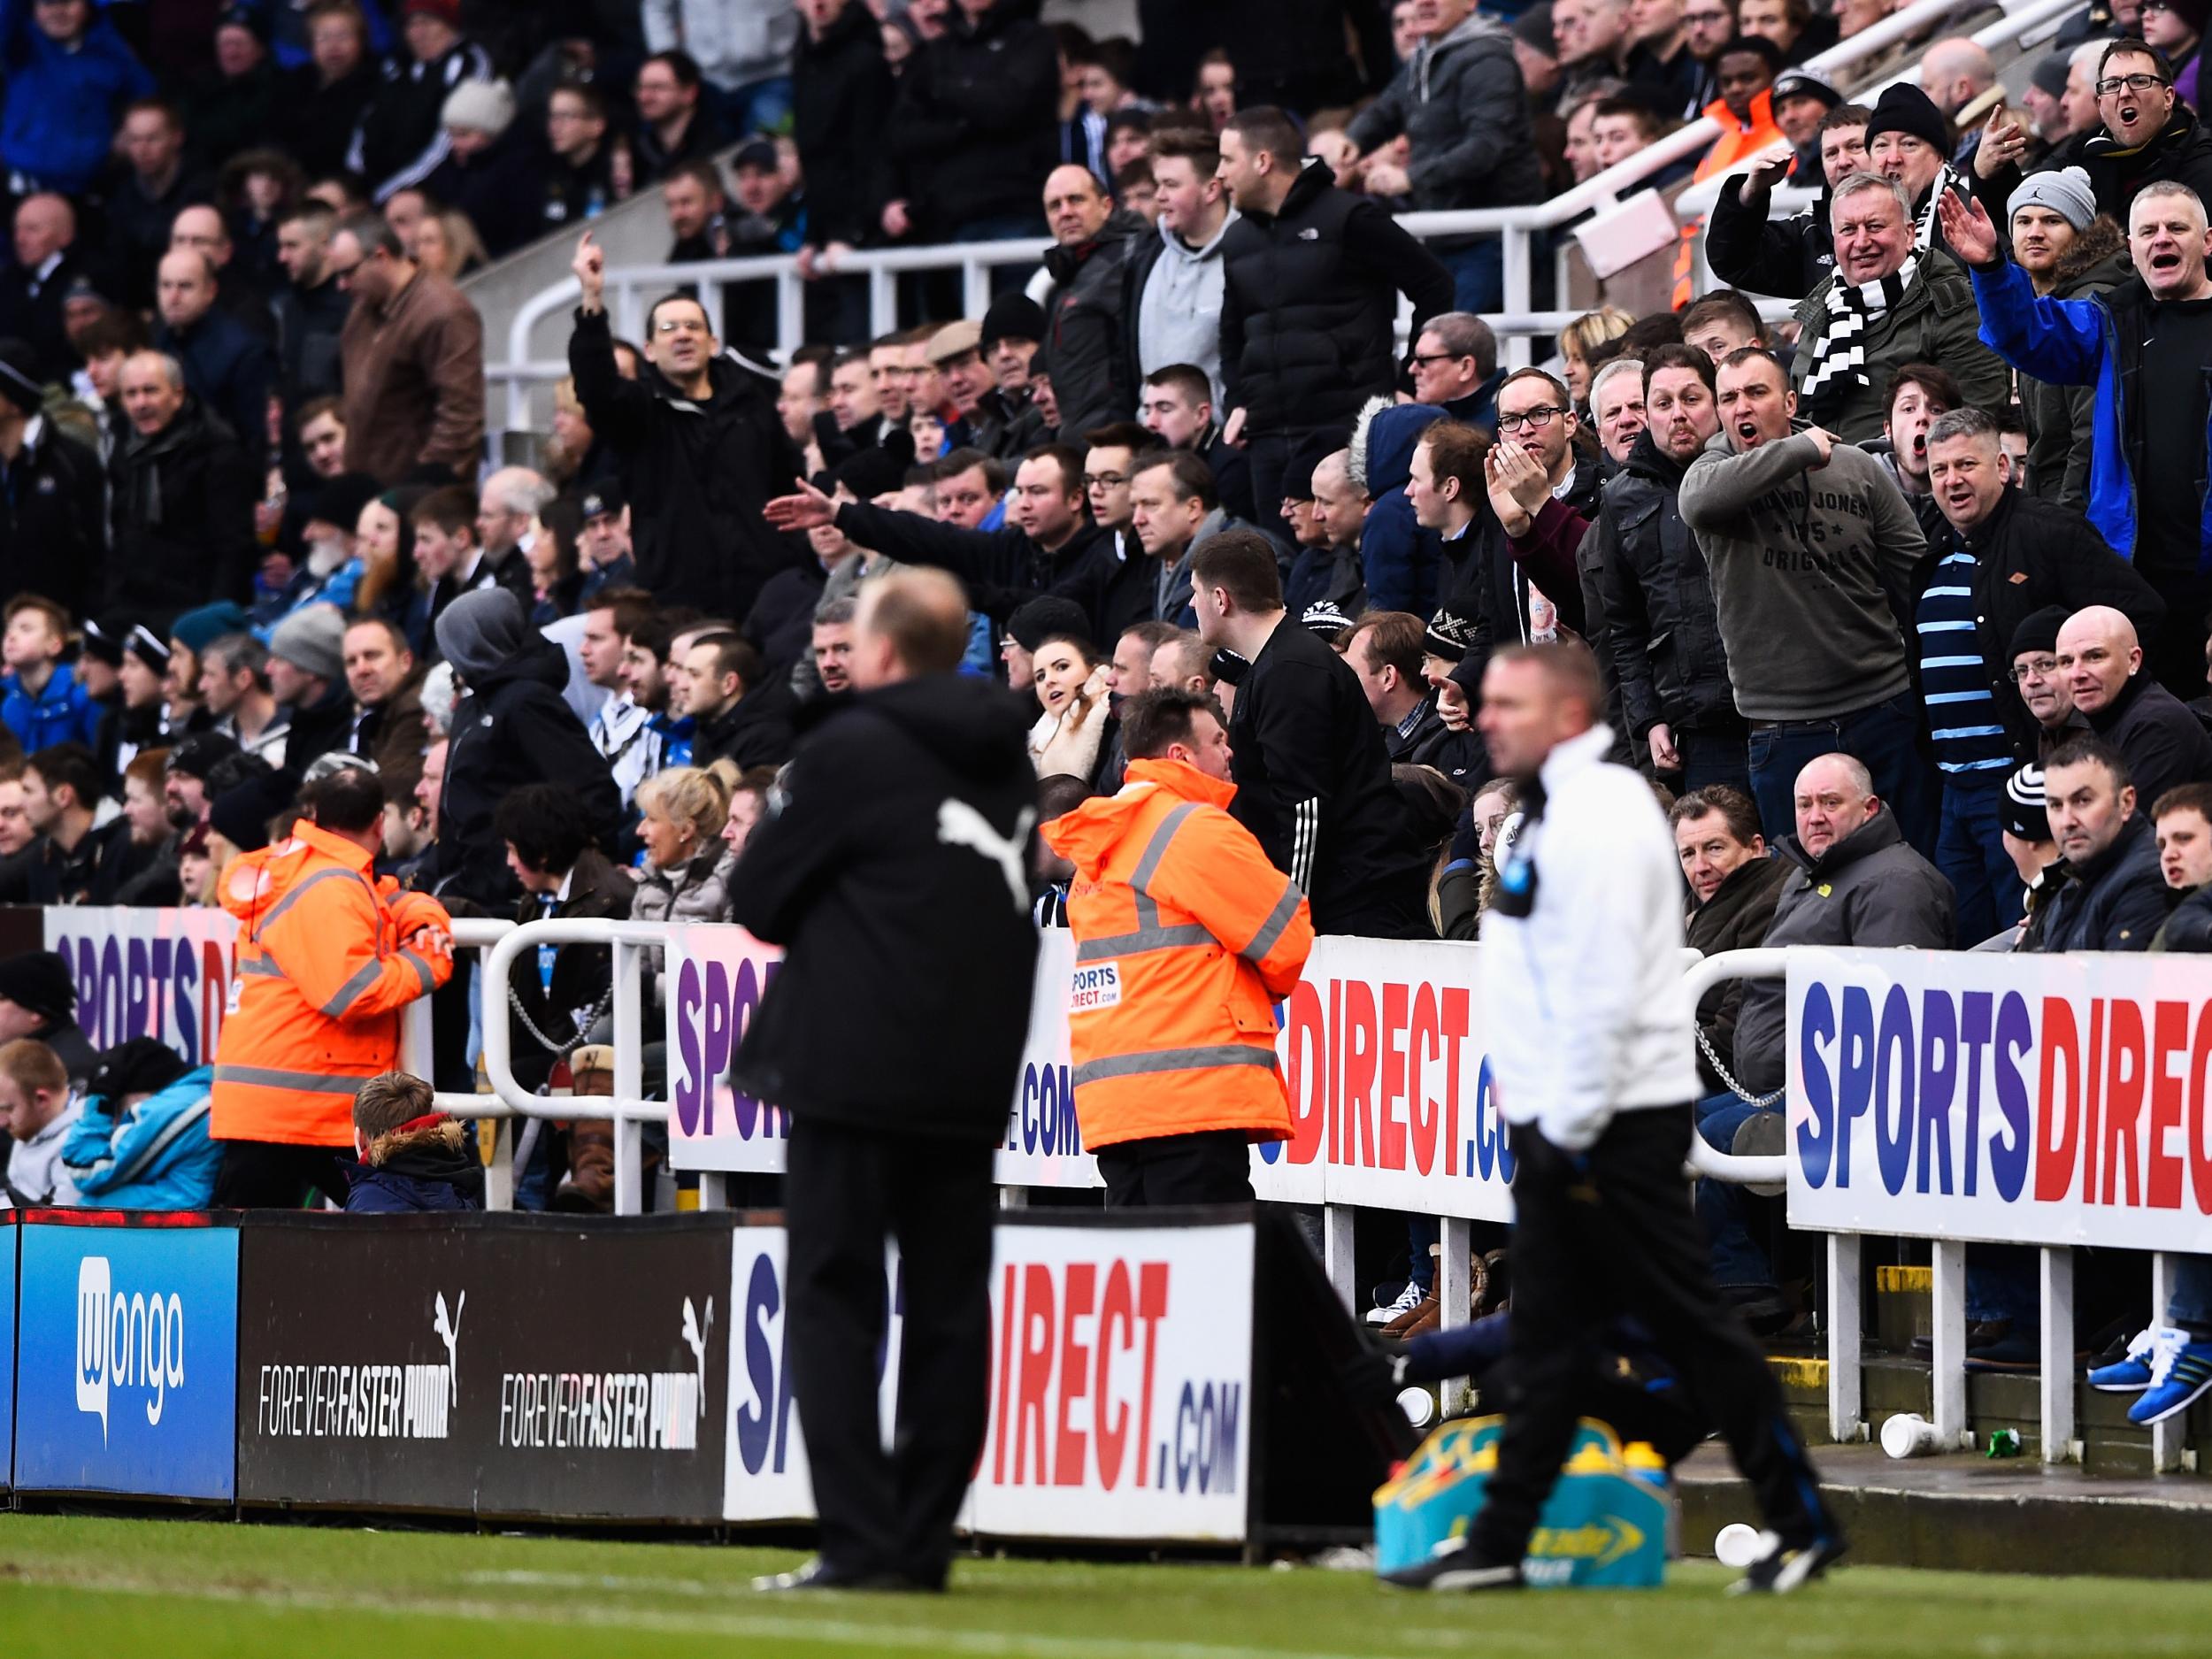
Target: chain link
(559, 1051)
(1705, 1047)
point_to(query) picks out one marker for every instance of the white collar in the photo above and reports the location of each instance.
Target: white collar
(1577, 754)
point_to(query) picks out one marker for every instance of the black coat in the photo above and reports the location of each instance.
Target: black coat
(400, 139)
(1001, 569)
(582, 973)
(972, 133)
(308, 322)
(315, 123)
(230, 369)
(1787, 257)
(2181, 153)
(1658, 601)
(1313, 783)
(696, 475)
(2116, 900)
(1736, 917)
(2029, 554)
(756, 731)
(1486, 582)
(842, 93)
(898, 928)
(2189, 926)
(512, 728)
(781, 625)
(30, 310)
(2162, 741)
(1310, 306)
(183, 503)
(1088, 323)
(53, 512)
(502, 188)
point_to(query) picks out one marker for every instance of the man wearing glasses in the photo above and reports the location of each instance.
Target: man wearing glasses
(2150, 134)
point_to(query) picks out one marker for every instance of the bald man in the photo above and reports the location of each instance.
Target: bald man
(1954, 73)
(2101, 659)
(202, 230)
(1088, 334)
(33, 288)
(226, 365)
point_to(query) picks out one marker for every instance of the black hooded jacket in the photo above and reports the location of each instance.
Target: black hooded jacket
(52, 537)
(894, 875)
(1088, 323)
(1658, 601)
(512, 728)
(974, 130)
(2115, 901)
(1787, 257)
(1310, 306)
(696, 475)
(841, 92)
(183, 503)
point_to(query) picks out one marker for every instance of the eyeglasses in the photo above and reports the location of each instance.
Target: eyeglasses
(2117, 84)
(1536, 419)
(1105, 480)
(2035, 668)
(1422, 360)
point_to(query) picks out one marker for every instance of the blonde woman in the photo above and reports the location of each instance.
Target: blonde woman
(1577, 339)
(686, 869)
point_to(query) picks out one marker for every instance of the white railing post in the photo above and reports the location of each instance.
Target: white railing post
(629, 1075)
(499, 1172)
(883, 301)
(1947, 1367)
(2165, 1437)
(790, 312)
(1847, 1415)
(1336, 1254)
(2056, 1383)
(975, 286)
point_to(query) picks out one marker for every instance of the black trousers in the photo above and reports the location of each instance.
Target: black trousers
(1614, 1233)
(845, 1191)
(276, 1175)
(1212, 1168)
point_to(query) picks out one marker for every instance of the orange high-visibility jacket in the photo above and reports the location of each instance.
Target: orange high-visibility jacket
(326, 958)
(1735, 144)
(1185, 937)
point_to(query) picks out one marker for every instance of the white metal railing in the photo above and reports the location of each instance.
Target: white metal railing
(2056, 1365)
(1518, 228)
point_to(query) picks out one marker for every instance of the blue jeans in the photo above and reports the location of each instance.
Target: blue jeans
(2001, 1283)
(1739, 1261)
(1971, 852)
(1884, 738)
(1713, 758)
(759, 106)
(2190, 1306)
(1477, 275)
(1423, 1235)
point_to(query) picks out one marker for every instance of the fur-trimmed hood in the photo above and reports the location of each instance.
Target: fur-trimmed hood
(446, 1137)
(1384, 437)
(2098, 260)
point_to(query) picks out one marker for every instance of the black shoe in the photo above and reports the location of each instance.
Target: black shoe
(1785, 1567)
(819, 1575)
(1459, 1567)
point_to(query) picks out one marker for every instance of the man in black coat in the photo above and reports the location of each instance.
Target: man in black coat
(511, 727)
(973, 128)
(842, 93)
(1088, 320)
(226, 365)
(2162, 743)
(701, 447)
(895, 876)
(182, 493)
(1787, 257)
(31, 289)
(2112, 896)
(1311, 276)
(1312, 774)
(53, 500)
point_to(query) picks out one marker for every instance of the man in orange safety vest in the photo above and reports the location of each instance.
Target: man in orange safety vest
(327, 956)
(1184, 938)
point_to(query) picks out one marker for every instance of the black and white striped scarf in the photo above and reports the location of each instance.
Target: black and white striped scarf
(1839, 354)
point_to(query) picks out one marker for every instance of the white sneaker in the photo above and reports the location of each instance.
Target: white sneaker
(1409, 1299)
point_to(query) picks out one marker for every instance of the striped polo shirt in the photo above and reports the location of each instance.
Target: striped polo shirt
(1971, 749)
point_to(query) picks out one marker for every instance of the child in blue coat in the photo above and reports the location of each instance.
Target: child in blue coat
(142, 1142)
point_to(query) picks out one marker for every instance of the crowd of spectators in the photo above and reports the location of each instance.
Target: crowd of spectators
(1902, 602)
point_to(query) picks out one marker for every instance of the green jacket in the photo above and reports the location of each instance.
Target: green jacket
(1936, 322)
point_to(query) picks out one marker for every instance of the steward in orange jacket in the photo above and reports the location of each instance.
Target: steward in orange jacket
(1184, 938)
(1747, 129)
(327, 956)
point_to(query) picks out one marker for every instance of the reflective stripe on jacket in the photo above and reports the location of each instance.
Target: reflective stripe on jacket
(1185, 937)
(322, 976)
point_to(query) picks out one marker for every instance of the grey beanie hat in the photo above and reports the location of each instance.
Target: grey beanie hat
(2066, 191)
(313, 640)
(481, 630)
(481, 106)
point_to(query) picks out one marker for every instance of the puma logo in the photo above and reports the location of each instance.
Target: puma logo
(448, 1330)
(960, 825)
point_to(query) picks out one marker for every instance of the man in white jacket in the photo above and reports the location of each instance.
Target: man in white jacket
(1591, 1044)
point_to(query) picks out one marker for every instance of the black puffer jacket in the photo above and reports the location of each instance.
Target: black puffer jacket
(1464, 114)
(842, 93)
(1088, 322)
(1658, 601)
(973, 133)
(184, 504)
(893, 875)
(1310, 304)
(53, 534)
(2116, 900)
(696, 475)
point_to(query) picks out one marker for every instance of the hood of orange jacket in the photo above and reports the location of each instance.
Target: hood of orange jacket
(1086, 836)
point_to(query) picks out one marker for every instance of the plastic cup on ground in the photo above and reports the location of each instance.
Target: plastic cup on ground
(1736, 1545)
(1909, 1435)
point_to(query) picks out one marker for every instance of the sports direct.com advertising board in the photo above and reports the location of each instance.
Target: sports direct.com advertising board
(2032, 1099)
(1380, 1045)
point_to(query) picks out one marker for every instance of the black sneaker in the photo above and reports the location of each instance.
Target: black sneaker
(819, 1575)
(1785, 1567)
(1459, 1566)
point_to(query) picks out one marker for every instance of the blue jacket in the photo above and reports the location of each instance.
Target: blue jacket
(231, 369)
(62, 106)
(1403, 563)
(63, 712)
(156, 1156)
(2093, 341)
(425, 1169)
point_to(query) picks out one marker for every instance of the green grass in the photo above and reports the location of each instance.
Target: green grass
(71, 1587)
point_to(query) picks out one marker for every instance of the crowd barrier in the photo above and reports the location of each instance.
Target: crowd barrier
(1952, 1097)
(1611, 215)
(1169, 1379)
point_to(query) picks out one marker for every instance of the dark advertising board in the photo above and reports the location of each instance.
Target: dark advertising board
(125, 1353)
(488, 1364)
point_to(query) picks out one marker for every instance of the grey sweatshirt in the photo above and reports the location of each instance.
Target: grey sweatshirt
(1803, 563)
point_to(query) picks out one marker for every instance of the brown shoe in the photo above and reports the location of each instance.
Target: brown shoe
(1426, 1316)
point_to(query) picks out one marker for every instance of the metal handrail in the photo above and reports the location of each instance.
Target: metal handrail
(1704, 974)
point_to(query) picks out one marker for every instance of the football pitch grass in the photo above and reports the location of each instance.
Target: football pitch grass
(71, 1587)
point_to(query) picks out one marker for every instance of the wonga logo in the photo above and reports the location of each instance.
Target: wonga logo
(134, 1343)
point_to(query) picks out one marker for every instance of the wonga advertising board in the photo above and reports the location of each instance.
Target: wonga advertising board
(1381, 1049)
(2035, 1100)
(148, 973)
(1121, 1383)
(127, 1356)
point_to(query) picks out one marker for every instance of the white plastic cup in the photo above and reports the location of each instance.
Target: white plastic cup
(1736, 1545)
(1419, 1405)
(1909, 1435)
